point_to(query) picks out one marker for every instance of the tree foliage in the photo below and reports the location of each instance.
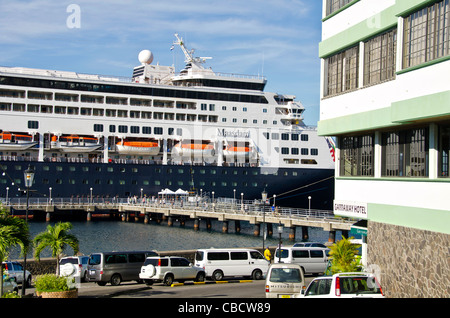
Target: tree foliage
(344, 256)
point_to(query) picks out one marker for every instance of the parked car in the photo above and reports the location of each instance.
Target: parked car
(344, 285)
(169, 269)
(15, 271)
(74, 266)
(284, 281)
(9, 285)
(310, 244)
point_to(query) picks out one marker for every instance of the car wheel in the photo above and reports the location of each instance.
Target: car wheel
(148, 282)
(116, 280)
(217, 275)
(257, 274)
(168, 280)
(200, 277)
(28, 281)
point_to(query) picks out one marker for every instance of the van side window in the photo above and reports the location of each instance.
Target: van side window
(136, 258)
(218, 256)
(256, 255)
(116, 259)
(95, 259)
(199, 256)
(239, 255)
(316, 254)
(300, 254)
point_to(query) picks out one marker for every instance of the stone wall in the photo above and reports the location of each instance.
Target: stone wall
(413, 263)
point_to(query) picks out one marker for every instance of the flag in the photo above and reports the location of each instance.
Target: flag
(332, 148)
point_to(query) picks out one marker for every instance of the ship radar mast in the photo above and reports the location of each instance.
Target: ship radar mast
(189, 54)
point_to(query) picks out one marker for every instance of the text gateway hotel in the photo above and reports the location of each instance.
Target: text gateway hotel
(385, 96)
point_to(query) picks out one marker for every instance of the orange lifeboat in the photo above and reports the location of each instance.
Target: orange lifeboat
(75, 144)
(13, 141)
(237, 151)
(193, 149)
(129, 147)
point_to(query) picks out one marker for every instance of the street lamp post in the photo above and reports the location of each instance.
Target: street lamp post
(29, 178)
(264, 198)
(280, 231)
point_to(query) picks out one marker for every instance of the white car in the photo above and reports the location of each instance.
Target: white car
(344, 285)
(15, 271)
(169, 269)
(284, 281)
(74, 266)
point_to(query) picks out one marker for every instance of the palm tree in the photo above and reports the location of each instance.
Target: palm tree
(13, 231)
(343, 256)
(57, 239)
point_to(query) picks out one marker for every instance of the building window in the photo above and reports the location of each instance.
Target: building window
(342, 71)
(405, 153)
(357, 156)
(444, 150)
(379, 58)
(335, 5)
(426, 34)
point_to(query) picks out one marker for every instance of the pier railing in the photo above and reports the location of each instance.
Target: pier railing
(219, 205)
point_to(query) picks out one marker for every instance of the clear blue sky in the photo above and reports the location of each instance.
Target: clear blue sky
(278, 38)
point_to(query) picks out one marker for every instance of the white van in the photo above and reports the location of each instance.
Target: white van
(284, 281)
(220, 263)
(313, 260)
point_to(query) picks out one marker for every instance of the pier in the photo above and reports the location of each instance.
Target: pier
(225, 210)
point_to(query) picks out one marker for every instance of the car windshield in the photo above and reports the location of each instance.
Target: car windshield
(285, 275)
(69, 260)
(359, 285)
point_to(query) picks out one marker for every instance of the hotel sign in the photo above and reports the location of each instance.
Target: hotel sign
(351, 209)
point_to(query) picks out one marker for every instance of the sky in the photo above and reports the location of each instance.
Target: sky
(275, 38)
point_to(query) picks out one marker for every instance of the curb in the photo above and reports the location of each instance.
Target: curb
(212, 282)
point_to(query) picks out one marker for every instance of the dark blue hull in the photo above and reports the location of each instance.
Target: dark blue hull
(292, 186)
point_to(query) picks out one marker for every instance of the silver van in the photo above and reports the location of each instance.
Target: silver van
(313, 260)
(116, 267)
(284, 281)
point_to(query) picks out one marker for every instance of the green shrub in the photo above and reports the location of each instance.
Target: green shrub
(12, 294)
(50, 283)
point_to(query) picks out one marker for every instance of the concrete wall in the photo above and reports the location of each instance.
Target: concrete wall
(413, 263)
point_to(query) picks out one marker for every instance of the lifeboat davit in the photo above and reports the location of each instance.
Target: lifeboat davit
(12, 141)
(193, 150)
(74, 143)
(237, 152)
(148, 148)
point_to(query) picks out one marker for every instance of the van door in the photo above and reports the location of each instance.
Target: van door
(258, 261)
(318, 261)
(135, 262)
(240, 264)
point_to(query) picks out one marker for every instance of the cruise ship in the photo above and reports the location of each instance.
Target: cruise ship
(197, 130)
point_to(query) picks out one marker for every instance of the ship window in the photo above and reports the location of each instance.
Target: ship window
(147, 130)
(112, 128)
(31, 108)
(98, 127)
(309, 162)
(294, 137)
(266, 135)
(110, 182)
(284, 151)
(32, 124)
(122, 113)
(72, 110)
(294, 151)
(58, 181)
(212, 107)
(284, 136)
(110, 169)
(85, 111)
(134, 129)
(304, 137)
(85, 181)
(59, 168)
(19, 107)
(110, 113)
(98, 181)
(71, 168)
(158, 130)
(314, 152)
(291, 161)
(275, 136)
(255, 121)
(123, 129)
(305, 151)
(157, 182)
(60, 110)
